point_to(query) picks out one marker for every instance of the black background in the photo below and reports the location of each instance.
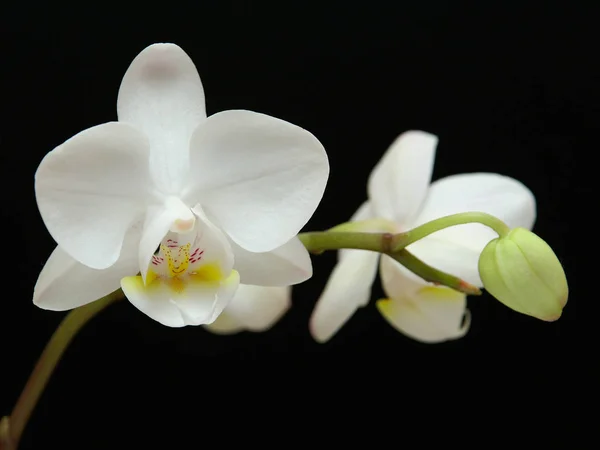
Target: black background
(508, 88)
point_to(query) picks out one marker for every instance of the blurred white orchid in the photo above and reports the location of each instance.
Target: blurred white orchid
(253, 308)
(258, 307)
(193, 204)
(400, 197)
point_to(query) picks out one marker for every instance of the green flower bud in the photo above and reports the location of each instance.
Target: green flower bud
(522, 271)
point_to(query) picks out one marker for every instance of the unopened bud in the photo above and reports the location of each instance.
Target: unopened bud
(522, 271)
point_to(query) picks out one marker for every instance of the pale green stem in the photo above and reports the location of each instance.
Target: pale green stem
(319, 241)
(433, 275)
(394, 245)
(12, 427)
(403, 240)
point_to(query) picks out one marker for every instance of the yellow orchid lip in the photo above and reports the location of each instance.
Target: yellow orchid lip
(178, 267)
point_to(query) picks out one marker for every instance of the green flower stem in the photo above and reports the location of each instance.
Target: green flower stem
(318, 242)
(403, 240)
(12, 427)
(433, 275)
(394, 245)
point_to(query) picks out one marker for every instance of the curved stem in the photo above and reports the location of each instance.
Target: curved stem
(403, 240)
(12, 427)
(320, 241)
(433, 275)
(394, 245)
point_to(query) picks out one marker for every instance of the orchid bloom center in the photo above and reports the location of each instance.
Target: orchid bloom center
(179, 259)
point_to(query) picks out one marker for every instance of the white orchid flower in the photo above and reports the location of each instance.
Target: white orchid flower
(195, 205)
(400, 197)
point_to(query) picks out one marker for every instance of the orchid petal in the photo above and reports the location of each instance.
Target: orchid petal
(423, 312)
(364, 212)
(258, 177)
(348, 288)
(162, 95)
(65, 284)
(253, 308)
(456, 249)
(91, 189)
(216, 246)
(260, 307)
(225, 324)
(398, 183)
(200, 302)
(284, 266)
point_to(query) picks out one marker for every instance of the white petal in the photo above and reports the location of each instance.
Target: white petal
(259, 177)
(91, 189)
(348, 288)
(258, 308)
(459, 259)
(456, 250)
(395, 278)
(398, 183)
(253, 308)
(65, 284)
(197, 304)
(284, 266)
(426, 313)
(499, 195)
(225, 324)
(364, 212)
(161, 94)
(214, 242)
(195, 309)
